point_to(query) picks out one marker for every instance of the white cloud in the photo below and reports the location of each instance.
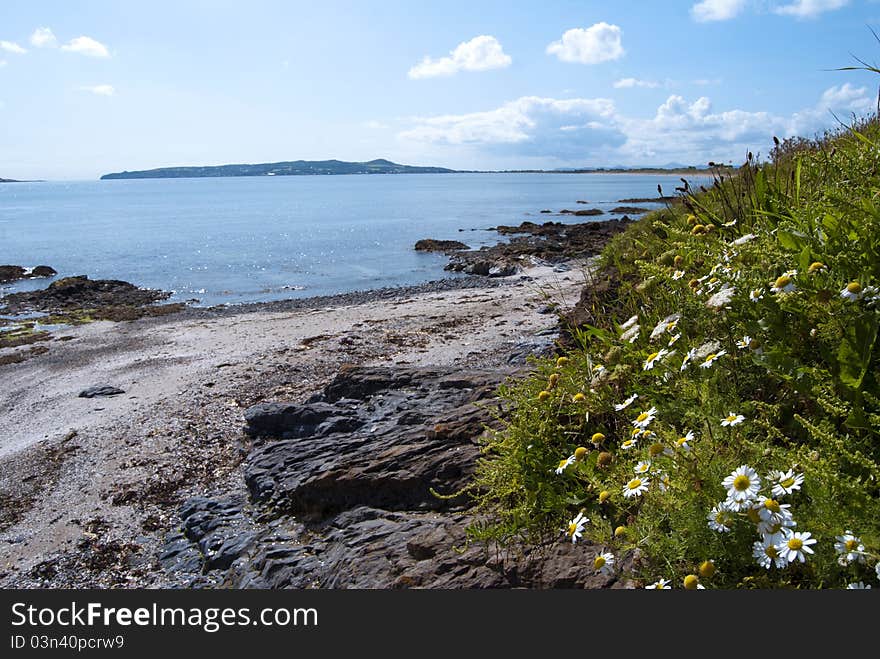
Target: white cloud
(529, 125)
(809, 8)
(629, 83)
(3, 63)
(43, 37)
(717, 10)
(86, 46)
(12, 47)
(591, 132)
(479, 54)
(598, 43)
(99, 90)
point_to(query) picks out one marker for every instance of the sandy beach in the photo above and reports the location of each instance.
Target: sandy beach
(116, 468)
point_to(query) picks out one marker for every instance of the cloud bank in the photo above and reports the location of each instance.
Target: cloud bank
(598, 43)
(479, 54)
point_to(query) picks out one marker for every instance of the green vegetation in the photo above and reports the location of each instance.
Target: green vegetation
(745, 319)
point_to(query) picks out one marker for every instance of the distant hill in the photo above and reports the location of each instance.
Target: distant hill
(294, 168)
(8, 180)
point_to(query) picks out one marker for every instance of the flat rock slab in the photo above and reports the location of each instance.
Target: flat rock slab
(100, 390)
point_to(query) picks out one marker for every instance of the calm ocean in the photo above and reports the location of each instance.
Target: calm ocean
(234, 240)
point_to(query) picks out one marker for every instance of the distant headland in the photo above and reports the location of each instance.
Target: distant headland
(379, 166)
(292, 168)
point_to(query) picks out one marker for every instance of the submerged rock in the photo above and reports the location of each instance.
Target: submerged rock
(81, 293)
(10, 273)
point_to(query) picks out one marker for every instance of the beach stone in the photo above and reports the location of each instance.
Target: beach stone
(446, 246)
(11, 273)
(100, 390)
(43, 271)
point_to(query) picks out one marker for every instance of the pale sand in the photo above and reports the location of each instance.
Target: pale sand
(187, 382)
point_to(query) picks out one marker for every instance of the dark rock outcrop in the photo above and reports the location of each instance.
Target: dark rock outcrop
(445, 246)
(100, 390)
(340, 495)
(629, 210)
(587, 212)
(81, 293)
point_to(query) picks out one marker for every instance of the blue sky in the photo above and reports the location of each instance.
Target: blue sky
(88, 87)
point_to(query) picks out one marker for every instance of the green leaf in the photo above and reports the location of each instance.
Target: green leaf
(793, 240)
(856, 349)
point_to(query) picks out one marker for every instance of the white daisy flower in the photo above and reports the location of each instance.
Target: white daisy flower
(772, 513)
(849, 549)
(742, 484)
(628, 444)
(857, 585)
(565, 464)
(653, 358)
(631, 334)
(721, 518)
(775, 533)
(796, 546)
(668, 324)
(604, 564)
(683, 442)
(688, 358)
(722, 298)
(673, 339)
(661, 584)
(742, 240)
(626, 403)
(598, 370)
(729, 224)
(678, 274)
(643, 467)
(785, 482)
(756, 294)
(783, 284)
(744, 343)
(732, 419)
(645, 418)
(852, 291)
(636, 487)
(629, 323)
(575, 528)
(661, 478)
(711, 358)
(766, 554)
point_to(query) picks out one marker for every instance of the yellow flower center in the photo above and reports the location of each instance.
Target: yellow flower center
(817, 265)
(562, 361)
(634, 484)
(597, 438)
(795, 544)
(691, 582)
(604, 459)
(572, 528)
(604, 495)
(579, 398)
(788, 482)
(629, 443)
(707, 569)
(641, 418)
(599, 563)
(854, 287)
(652, 356)
(554, 378)
(711, 358)
(620, 531)
(741, 483)
(655, 449)
(731, 418)
(563, 464)
(580, 453)
(720, 517)
(672, 325)
(753, 516)
(851, 545)
(770, 550)
(772, 505)
(782, 281)
(756, 292)
(544, 395)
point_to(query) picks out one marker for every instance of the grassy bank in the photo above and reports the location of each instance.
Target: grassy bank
(717, 424)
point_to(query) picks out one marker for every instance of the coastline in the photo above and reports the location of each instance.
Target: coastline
(111, 473)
